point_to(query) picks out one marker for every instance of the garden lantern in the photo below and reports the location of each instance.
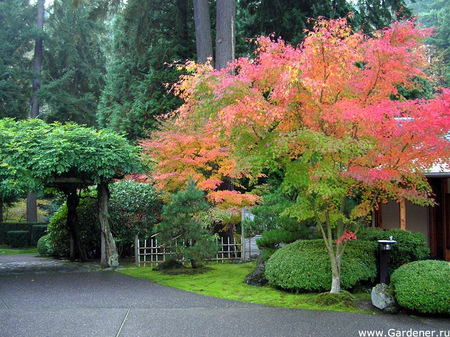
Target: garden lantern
(384, 247)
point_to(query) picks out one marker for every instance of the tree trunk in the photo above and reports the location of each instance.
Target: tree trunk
(76, 252)
(203, 40)
(225, 32)
(37, 61)
(37, 64)
(335, 274)
(31, 207)
(109, 256)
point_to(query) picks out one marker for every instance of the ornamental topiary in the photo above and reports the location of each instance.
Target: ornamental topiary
(423, 286)
(304, 266)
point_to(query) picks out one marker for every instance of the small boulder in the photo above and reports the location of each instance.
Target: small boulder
(258, 277)
(384, 299)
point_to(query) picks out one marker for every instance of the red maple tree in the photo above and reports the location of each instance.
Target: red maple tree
(328, 114)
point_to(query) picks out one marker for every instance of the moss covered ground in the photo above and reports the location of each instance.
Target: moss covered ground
(226, 280)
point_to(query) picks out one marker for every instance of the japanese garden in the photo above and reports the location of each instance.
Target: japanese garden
(266, 146)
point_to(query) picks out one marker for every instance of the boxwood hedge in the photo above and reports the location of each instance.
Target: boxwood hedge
(304, 266)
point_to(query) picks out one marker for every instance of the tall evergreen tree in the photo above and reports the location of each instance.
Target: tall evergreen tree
(285, 18)
(203, 38)
(74, 61)
(436, 13)
(16, 36)
(148, 36)
(377, 14)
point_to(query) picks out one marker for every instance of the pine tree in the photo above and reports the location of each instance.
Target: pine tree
(73, 70)
(181, 226)
(148, 37)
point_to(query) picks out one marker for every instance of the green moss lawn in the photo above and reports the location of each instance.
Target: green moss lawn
(226, 280)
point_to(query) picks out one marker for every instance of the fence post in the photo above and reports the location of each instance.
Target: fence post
(136, 251)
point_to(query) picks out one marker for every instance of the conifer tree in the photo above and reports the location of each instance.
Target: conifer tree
(15, 44)
(182, 227)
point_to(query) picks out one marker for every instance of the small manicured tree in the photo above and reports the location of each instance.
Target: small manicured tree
(181, 226)
(71, 158)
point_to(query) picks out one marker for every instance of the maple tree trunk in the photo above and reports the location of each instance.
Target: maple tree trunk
(109, 256)
(203, 40)
(335, 274)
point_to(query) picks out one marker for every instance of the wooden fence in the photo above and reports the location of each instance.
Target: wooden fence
(150, 252)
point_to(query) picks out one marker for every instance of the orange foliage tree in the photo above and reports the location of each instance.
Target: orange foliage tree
(187, 147)
(329, 115)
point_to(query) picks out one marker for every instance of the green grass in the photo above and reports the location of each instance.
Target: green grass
(6, 250)
(227, 281)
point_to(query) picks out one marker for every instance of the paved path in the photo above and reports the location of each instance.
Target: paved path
(40, 297)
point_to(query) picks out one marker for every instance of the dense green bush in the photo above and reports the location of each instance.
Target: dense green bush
(18, 239)
(37, 231)
(304, 266)
(409, 247)
(88, 229)
(43, 246)
(134, 208)
(423, 286)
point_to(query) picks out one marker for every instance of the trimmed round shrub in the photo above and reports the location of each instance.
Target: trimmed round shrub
(423, 286)
(409, 247)
(304, 266)
(43, 246)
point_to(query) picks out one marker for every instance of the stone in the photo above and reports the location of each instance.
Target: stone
(383, 299)
(258, 276)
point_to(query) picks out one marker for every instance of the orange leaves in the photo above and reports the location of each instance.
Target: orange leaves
(180, 152)
(326, 103)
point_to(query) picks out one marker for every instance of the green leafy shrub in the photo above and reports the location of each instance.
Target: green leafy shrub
(43, 246)
(304, 266)
(37, 231)
(409, 247)
(134, 208)
(17, 239)
(423, 286)
(88, 229)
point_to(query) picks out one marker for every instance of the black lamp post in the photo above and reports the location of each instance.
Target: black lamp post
(385, 246)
